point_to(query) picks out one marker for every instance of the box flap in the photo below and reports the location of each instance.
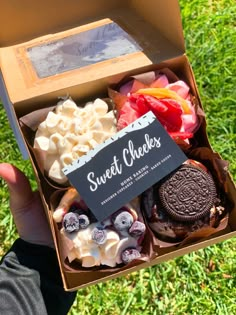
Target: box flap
(154, 25)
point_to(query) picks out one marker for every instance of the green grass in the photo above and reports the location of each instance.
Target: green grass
(199, 283)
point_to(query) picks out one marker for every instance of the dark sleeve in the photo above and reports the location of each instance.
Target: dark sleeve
(30, 282)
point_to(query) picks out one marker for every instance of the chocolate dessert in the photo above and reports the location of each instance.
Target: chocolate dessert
(184, 202)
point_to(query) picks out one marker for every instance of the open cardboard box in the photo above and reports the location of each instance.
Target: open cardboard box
(154, 25)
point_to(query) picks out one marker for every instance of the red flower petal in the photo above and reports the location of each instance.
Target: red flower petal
(168, 112)
(127, 115)
(181, 135)
(139, 104)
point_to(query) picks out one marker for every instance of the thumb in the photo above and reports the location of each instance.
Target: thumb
(26, 207)
(18, 184)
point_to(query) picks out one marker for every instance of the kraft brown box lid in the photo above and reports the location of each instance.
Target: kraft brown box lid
(155, 25)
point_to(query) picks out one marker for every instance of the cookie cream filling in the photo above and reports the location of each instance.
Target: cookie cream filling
(69, 132)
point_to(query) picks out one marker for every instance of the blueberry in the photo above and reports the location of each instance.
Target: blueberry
(137, 229)
(99, 235)
(130, 254)
(71, 222)
(83, 221)
(122, 220)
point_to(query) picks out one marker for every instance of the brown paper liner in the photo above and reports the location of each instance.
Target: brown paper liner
(219, 170)
(194, 237)
(65, 244)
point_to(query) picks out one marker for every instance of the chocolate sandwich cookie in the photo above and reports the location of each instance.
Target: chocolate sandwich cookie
(188, 194)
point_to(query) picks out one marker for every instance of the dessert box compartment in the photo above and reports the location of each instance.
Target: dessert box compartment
(156, 28)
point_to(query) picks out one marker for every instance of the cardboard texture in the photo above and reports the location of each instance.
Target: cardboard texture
(156, 27)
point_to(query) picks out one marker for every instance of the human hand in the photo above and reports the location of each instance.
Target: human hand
(26, 207)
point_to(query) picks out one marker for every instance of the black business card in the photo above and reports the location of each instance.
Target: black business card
(125, 165)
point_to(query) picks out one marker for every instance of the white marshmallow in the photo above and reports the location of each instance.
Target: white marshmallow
(100, 107)
(52, 122)
(41, 143)
(55, 170)
(66, 159)
(53, 143)
(70, 132)
(68, 108)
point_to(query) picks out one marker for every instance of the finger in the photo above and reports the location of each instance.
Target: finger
(18, 185)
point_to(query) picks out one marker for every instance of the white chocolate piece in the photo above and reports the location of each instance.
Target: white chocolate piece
(83, 139)
(58, 215)
(76, 127)
(69, 132)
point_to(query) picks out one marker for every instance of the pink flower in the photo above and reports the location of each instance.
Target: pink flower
(170, 102)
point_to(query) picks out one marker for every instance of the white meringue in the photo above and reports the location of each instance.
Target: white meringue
(69, 132)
